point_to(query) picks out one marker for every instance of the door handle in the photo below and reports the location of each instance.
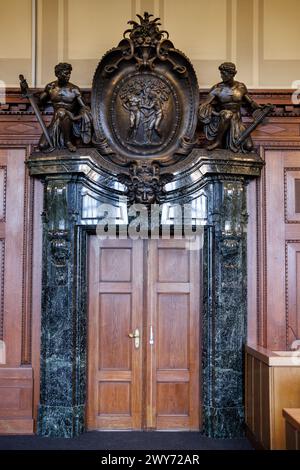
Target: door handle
(136, 336)
(151, 339)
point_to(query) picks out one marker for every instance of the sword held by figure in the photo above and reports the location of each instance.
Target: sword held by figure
(258, 115)
(26, 93)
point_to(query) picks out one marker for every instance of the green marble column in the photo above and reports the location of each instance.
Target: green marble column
(225, 308)
(63, 336)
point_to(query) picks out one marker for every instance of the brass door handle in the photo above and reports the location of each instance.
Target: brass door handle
(136, 336)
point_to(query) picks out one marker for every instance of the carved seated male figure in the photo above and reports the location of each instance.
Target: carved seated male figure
(221, 112)
(71, 119)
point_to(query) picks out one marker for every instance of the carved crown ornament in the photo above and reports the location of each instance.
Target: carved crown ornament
(144, 111)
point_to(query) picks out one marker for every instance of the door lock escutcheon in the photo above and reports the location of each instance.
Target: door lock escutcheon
(136, 336)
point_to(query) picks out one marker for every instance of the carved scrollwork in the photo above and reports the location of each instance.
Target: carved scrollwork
(145, 43)
(56, 220)
(59, 248)
(186, 145)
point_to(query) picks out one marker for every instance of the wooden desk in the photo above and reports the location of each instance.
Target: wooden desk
(292, 428)
(272, 383)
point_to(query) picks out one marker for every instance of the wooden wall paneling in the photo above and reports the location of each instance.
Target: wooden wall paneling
(292, 194)
(36, 283)
(252, 261)
(249, 391)
(16, 400)
(285, 130)
(14, 230)
(20, 129)
(261, 274)
(27, 269)
(279, 238)
(256, 259)
(275, 252)
(277, 232)
(293, 289)
(3, 191)
(292, 240)
(265, 405)
(256, 398)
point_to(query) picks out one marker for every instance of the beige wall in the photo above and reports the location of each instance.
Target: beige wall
(261, 36)
(15, 40)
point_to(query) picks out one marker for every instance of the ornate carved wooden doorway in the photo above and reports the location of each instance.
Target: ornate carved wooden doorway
(149, 290)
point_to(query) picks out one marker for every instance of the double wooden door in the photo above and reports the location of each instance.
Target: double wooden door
(143, 359)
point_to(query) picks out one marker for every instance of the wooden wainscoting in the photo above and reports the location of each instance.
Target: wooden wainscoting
(274, 251)
(16, 385)
(19, 296)
(149, 382)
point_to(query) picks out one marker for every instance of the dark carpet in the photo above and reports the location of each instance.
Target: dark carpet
(125, 441)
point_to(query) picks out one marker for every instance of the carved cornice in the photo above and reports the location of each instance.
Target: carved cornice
(15, 104)
(188, 175)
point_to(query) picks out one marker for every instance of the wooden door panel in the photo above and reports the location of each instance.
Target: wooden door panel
(115, 264)
(115, 310)
(173, 265)
(114, 398)
(114, 325)
(173, 399)
(172, 327)
(173, 318)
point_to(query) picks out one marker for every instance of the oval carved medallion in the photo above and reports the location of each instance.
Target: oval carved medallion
(145, 113)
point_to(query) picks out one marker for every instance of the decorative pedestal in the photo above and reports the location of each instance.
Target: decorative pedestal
(75, 187)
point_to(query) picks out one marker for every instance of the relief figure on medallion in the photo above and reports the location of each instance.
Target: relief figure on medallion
(132, 103)
(143, 100)
(221, 117)
(71, 120)
(155, 114)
